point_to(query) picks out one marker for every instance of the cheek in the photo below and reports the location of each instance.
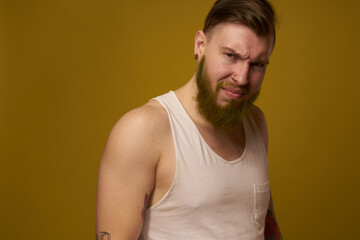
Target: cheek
(256, 80)
(215, 73)
(219, 72)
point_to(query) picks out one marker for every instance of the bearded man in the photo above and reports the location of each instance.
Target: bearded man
(192, 163)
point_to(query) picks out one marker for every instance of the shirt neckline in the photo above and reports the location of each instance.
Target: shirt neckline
(242, 156)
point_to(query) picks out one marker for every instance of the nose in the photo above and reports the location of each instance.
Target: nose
(240, 74)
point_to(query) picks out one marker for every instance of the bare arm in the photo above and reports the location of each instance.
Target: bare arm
(127, 175)
(272, 230)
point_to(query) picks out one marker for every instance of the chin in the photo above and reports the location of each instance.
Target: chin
(225, 102)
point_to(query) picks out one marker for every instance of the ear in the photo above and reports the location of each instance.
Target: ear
(200, 43)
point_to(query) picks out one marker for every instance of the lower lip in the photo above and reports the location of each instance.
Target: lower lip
(232, 95)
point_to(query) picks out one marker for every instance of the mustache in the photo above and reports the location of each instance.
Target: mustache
(231, 85)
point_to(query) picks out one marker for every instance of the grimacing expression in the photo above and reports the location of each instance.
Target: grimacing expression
(222, 117)
(230, 77)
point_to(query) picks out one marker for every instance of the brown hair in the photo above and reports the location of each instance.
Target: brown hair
(257, 15)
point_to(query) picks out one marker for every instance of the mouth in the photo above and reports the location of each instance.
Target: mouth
(234, 93)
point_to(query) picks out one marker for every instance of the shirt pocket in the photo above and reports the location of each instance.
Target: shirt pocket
(261, 201)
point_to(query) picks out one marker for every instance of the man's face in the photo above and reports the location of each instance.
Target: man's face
(231, 72)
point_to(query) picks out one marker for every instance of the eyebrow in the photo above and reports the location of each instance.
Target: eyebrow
(238, 55)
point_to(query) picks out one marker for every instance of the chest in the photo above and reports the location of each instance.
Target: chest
(227, 145)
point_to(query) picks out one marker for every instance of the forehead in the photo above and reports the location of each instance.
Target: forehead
(241, 39)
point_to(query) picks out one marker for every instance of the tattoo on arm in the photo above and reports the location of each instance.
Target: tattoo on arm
(103, 235)
(146, 203)
(107, 236)
(272, 231)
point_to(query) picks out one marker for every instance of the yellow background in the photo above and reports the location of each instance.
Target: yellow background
(70, 69)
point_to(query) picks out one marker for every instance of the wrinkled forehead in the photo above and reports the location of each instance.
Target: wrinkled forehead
(239, 37)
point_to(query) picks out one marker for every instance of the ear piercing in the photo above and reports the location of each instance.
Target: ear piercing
(196, 56)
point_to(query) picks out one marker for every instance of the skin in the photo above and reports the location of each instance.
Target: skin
(139, 158)
(223, 117)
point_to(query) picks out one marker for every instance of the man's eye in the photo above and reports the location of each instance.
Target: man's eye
(230, 55)
(258, 65)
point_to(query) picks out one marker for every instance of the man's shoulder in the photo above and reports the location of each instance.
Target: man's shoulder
(257, 114)
(146, 120)
(139, 135)
(150, 114)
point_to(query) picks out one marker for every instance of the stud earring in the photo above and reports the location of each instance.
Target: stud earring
(196, 56)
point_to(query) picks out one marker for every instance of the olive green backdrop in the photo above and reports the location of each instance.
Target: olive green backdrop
(70, 69)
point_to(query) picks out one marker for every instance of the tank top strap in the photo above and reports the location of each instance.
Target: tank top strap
(255, 142)
(172, 105)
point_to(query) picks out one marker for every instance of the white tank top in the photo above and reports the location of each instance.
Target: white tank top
(210, 198)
